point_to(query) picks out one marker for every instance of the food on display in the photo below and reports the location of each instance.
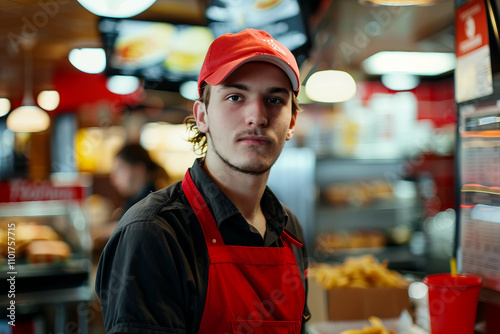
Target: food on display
(38, 243)
(188, 49)
(360, 239)
(146, 45)
(361, 272)
(377, 327)
(357, 193)
(31, 231)
(47, 251)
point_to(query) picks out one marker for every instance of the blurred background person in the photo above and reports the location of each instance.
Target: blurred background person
(134, 175)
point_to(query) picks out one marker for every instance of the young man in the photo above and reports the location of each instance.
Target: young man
(217, 252)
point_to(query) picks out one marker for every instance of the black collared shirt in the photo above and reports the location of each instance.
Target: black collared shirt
(152, 275)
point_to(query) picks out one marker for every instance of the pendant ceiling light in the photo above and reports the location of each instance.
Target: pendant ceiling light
(116, 8)
(4, 106)
(48, 99)
(28, 117)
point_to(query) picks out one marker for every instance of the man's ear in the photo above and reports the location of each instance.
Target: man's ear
(291, 128)
(201, 116)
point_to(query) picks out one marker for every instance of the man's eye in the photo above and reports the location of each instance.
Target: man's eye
(275, 100)
(234, 98)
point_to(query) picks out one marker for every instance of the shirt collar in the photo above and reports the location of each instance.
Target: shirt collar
(222, 208)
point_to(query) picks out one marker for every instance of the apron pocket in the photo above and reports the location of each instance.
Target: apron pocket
(265, 327)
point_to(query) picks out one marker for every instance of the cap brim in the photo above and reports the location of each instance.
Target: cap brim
(225, 70)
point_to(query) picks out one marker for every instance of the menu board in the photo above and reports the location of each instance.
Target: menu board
(473, 74)
(280, 18)
(481, 158)
(479, 154)
(480, 242)
(165, 54)
(154, 50)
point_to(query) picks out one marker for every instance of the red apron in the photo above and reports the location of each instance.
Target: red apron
(250, 289)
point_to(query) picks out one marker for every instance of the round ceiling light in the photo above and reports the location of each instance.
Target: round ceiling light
(189, 90)
(28, 119)
(48, 99)
(118, 9)
(330, 86)
(4, 106)
(400, 81)
(123, 84)
(88, 60)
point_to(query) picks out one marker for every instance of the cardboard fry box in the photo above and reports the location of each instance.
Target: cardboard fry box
(361, 303)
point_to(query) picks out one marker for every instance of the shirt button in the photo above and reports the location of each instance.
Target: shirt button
(214, 241)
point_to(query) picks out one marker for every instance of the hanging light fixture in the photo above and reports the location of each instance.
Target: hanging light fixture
(4, 106)
(123, 84)
(48, 99)
(118, 9)
(28, 117)
(88, 60)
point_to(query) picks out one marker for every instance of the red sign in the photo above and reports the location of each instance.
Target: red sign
(471, 28)
(26, 191)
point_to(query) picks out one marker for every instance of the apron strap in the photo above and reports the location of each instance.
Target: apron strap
(202, 212)
(287, 237)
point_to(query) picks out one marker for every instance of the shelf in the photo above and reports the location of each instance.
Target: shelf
(378, 205)
(36, 278)
(56, 282)
(341, 170)
(71, 295)
(382, 216)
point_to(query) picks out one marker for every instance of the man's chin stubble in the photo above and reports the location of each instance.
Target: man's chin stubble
(238, 169)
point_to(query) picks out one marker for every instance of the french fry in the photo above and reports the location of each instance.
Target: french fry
(377, 327)
(362, 272)
(377, 323)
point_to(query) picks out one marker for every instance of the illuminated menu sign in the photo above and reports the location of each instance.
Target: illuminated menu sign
(154, 50)
(479, 154)
(473, 77)
(282, 19)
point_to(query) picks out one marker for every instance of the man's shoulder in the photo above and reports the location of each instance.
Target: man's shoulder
(293, 224)
(149, 208)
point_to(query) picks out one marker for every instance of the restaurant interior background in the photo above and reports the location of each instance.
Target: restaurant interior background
(373, 163)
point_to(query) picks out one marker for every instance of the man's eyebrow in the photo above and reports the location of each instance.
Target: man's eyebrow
(274, 90)
(234, 85)
(271, 90)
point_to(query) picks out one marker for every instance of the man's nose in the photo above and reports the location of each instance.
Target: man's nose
(256, 113)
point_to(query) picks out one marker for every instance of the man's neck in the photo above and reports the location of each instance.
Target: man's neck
(244, 190)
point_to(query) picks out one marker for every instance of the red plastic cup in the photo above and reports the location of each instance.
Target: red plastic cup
(453, 302)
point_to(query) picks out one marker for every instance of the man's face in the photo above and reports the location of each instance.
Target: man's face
(249, 118)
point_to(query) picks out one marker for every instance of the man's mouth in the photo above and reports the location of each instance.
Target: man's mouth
(255, 140)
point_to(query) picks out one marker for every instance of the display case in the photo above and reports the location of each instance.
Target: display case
(367, 206)
(46, 258)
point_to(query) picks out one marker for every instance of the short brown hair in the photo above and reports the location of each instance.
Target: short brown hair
(198, 138)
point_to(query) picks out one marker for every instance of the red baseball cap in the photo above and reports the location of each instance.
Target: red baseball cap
(229, 51)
